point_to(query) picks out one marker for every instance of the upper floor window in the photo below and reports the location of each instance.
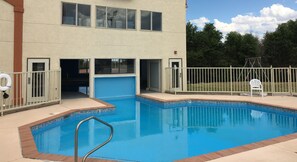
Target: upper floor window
(151, 20)
(108, 17)
(76, 14)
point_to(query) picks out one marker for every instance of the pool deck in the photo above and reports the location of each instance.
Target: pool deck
(283, 150)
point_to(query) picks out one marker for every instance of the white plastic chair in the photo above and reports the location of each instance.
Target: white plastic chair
(256, 85)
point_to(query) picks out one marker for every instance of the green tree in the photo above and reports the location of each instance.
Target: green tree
(213, 51)
(233, 50)
(204, 48)
(239, 47)
(280, 47)
(250, 46)
(191, 36)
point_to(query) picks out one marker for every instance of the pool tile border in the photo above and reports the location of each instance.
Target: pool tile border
(226, 100)
(29, 149)
(235, 150)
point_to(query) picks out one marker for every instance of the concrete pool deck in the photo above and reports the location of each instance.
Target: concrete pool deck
(10, 150)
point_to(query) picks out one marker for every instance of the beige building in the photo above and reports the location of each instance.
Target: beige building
(114, 47)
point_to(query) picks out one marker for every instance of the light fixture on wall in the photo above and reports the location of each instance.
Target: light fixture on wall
(175, 52)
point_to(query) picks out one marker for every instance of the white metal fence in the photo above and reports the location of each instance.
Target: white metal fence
(231, 79)
(31, 89)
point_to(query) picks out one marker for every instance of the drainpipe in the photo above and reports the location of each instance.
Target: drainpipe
(18, 6)
(18, 33)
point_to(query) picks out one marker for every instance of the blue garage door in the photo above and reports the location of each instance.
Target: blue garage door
(109, 87)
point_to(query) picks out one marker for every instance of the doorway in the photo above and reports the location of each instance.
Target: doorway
(150, 76)
(38, 80)
(175, 74)
(75, 78)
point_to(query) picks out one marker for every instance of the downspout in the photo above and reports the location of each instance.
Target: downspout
(18, 34)
(18, 6)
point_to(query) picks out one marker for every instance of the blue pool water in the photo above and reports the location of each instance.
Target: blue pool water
(148, 131)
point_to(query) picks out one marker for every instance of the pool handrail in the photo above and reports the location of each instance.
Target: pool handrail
(96, 148)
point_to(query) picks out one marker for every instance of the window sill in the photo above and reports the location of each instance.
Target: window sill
(113, 75)
(105, 28)
(145, 30)
(67, 25)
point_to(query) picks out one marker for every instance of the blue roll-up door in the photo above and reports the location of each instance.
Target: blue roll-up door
(108, 87)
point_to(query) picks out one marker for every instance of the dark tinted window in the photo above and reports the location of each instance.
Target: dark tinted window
(114, 66)
(103, 66)
(116, 18)
(157, 21)
(146, 20)
(69, 14)
(101, 16)
(131, 19)
(83, 15)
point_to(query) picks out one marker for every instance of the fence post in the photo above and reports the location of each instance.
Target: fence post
(2, 101)
(272, 80)
(2, 105)
(290, 80)
(175, 77)
(170, 79)
(231, 79)
(60, 85)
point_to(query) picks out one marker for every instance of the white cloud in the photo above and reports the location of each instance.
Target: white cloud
(268, 20)
(200, 22)
(279, 11)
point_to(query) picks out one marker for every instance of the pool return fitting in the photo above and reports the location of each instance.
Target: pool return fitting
(3, 89)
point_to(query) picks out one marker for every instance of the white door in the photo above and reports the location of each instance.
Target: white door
(175, 74)
(38, 80)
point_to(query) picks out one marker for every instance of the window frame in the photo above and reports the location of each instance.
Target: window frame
(126, 13)
(62, 5)
(105, 18)
(118, 68)
(135, 18)
(76, 14)
(141, 20)
(151, 21)
(161, 23)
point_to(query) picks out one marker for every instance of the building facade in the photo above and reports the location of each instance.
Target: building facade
(114, 47)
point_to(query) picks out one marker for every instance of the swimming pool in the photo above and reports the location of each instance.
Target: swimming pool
(145, 130)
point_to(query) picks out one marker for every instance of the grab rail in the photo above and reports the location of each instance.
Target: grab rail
(96, 148)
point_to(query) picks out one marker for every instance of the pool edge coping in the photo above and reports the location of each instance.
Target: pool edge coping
(28, 146)
(29, 149)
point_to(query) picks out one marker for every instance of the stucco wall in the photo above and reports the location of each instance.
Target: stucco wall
(46, 37)
(6, 37)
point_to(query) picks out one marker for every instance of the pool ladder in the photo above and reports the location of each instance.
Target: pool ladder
(96, 148)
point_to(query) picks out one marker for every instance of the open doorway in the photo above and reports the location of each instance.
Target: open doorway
(75, 78)
(150, 76)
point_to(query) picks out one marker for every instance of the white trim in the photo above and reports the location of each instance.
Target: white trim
(114, 75)
(31, 80)
(179, 71)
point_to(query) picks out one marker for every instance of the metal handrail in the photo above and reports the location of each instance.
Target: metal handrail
(96, 148)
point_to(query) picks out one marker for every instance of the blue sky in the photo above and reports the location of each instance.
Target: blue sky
(244, 16)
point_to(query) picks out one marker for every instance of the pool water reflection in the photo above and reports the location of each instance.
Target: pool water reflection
(145, 130)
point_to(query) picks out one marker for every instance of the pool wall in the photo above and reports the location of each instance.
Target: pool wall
(107, 87)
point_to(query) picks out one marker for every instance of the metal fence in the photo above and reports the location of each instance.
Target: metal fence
(30, 89)
(231, 79)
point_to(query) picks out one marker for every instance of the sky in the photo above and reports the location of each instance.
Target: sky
(244, 16)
